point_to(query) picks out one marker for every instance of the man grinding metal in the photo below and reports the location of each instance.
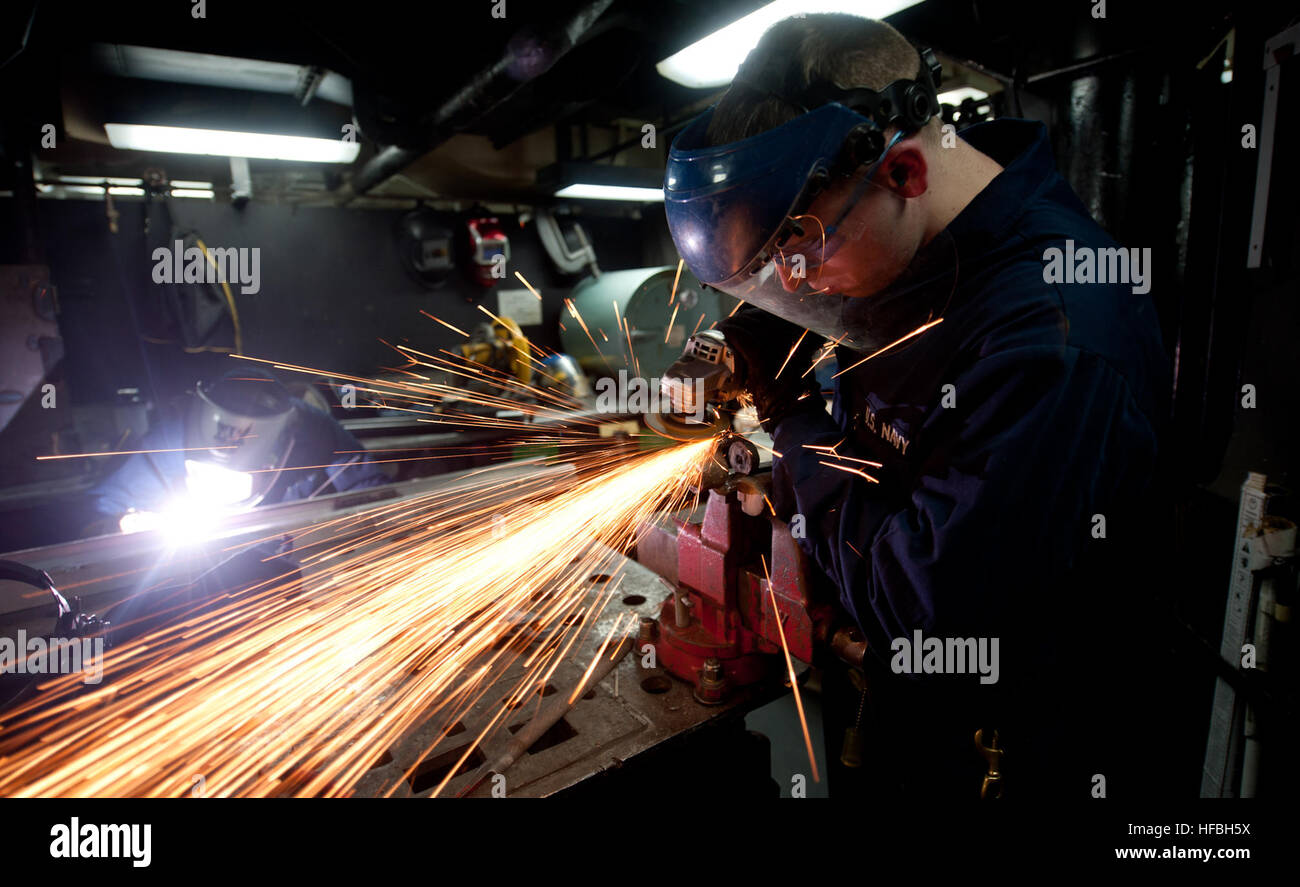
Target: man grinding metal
(1010, 415)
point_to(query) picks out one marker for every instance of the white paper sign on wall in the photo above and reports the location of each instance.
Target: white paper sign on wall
(521, 306)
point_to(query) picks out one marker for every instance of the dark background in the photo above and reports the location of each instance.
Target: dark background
(333, 285)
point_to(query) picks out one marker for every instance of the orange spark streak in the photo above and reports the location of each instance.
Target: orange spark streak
(793, 349)
(128, 453)
(789, 666)
(915, 332)
(827, 350)
(858, 471)
(582, 323)
(529, 285)
(444, 323)
(671, 321)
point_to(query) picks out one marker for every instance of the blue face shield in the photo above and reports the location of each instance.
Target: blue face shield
(738, 215)
(753, 187)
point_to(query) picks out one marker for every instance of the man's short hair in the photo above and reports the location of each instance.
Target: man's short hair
(847, 50)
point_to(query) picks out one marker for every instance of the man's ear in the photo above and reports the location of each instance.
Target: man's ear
(904, 172)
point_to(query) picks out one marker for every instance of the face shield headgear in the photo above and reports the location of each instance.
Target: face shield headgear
(738, 212)
(238, 436)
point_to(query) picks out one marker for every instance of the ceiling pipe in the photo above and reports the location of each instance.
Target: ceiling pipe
(526, 57)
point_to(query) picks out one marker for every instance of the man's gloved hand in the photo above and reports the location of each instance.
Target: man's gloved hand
(762, 342)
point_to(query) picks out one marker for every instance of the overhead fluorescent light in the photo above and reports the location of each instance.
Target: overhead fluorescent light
(224, 143)
(589, 191)
(202, 69)
(712, 61)
(961, 94)
(99, 180)
(46, 188)
(578, 180)
(202, 186)
(64, 188)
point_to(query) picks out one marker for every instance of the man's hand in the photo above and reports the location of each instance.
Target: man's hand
(773, 357)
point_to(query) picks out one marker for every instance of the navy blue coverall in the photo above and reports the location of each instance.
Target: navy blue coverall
(984, 518)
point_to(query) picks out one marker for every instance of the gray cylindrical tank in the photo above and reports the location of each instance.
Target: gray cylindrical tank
(642, 298)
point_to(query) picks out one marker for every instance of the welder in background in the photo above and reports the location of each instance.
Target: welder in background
(822, 191)
(239, 442)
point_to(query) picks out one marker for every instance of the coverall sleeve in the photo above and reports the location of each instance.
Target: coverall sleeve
(354, 468)
(142, 481)
(1040, 439)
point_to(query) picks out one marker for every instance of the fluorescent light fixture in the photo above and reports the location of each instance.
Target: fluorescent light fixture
(126, 192)
(580, 180)
(98, 180)
(713, 61)
(192, 192)
(224, 143)
(960, 94)
(588, 191)
(201, 186)
(46, 188)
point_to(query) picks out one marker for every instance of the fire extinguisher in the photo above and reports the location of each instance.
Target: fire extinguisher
(489, 250)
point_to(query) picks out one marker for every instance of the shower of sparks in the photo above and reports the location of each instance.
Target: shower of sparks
(789, 667)
(404, 614)
(400, 615)
(290, 688)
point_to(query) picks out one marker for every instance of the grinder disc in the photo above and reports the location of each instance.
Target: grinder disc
(677, 428)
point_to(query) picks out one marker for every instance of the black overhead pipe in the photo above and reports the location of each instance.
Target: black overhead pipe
(526, 57)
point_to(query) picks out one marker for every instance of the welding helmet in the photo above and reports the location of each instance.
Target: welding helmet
(238, 437)
(738, 212)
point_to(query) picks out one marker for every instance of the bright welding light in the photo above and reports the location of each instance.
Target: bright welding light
(182, 521)
(213, 485)
(187, 520)
(139, 521)
(211, 491)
